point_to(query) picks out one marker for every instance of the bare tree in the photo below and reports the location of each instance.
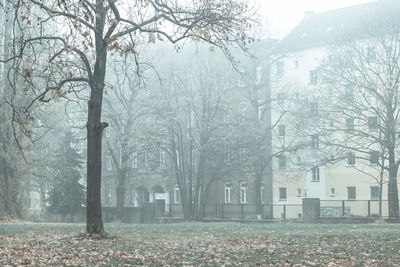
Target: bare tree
(123, 109)
(195, 136)
(77, 52)
(360, 110)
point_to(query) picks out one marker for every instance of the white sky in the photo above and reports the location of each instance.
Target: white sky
(283, 15)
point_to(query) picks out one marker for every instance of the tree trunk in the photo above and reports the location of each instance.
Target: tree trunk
(204, 200)
(381, 174)
(94, 126)
(268, 186)
(393, 197)
(257, 194)
(94, 223)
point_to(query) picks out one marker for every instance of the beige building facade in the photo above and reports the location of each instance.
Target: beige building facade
(308, 166)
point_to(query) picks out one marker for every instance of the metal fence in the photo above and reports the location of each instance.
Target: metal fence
(245, 211)
(353, 208)
(328, 208)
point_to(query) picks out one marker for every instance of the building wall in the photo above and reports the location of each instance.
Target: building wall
(296, 79)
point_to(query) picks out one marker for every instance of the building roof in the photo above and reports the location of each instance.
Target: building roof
(325, 28)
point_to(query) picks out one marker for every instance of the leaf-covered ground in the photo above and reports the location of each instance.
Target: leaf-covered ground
(201, 244)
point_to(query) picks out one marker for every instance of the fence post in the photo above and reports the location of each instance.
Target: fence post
(272, 211)
(369, 208)
(284, 212)
(343, 207)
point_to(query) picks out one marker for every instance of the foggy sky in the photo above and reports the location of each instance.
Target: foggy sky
(285, 14)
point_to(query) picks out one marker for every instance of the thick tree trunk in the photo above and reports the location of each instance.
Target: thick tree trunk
(94, 126)
(94, 222)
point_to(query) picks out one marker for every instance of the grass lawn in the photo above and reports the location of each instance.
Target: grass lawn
(201, 244)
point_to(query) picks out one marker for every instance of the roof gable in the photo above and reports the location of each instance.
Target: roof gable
(325, 28)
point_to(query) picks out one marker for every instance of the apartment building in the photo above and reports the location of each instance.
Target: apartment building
(321, 158)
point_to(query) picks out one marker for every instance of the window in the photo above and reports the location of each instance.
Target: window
(228, 192)
(280, 68)
(109, 163)
(243, 192)
(281, 130)
(333, 192)
(134, 160)
(282, 194)
(108, 194)
(178, 159)
(313, 77)
(298, 192)
(177, 194)
(262, 192)
(282, 161)
(315, 174)
(351, 193)
(227, 155)
(259, 109)
(374, 191)
(315, 141)
(258, 75)
(351, 158)
(163, 158)
(135, 198)
(372, 123)
(242, 109)
(350, 124)
(373, 157)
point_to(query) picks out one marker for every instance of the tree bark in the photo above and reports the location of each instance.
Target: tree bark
(94, 221)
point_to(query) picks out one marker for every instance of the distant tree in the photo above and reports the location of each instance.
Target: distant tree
(125, 136)
(10, 156)
(192, 130)
(67, 195)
